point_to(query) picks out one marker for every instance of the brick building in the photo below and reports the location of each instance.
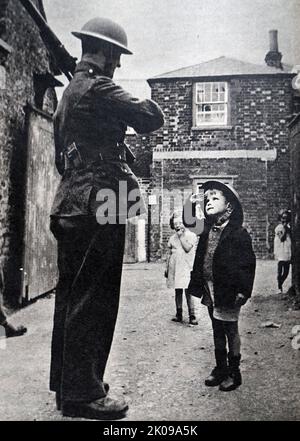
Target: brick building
(26, 92)
(295, 206)
(225, 119)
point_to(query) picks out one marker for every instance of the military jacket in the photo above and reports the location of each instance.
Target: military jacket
(94, 113)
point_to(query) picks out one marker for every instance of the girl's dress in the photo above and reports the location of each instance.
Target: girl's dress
(180, 262)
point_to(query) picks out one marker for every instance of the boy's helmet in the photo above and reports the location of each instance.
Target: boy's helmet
(106, 30)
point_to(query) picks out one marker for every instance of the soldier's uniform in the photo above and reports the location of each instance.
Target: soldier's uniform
(93, 113)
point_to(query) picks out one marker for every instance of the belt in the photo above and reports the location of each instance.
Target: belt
(75, 157)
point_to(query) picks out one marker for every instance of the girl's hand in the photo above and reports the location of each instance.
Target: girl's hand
(240, 300)
(180, 231)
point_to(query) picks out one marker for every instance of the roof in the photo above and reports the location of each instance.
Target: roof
(224, 66)
(137, 87)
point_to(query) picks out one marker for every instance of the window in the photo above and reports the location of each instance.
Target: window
(211, 104)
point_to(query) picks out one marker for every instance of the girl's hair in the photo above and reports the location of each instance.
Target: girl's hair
(287, 213)
(172, 218)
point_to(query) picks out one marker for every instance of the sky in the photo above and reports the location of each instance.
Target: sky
(165, 35)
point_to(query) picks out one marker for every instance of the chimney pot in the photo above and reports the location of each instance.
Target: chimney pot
(273, 34)
(273, 57)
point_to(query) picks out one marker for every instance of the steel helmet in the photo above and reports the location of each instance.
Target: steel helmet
(107, 30)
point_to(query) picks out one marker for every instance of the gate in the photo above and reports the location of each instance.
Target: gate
(135, 246)
(39, 258)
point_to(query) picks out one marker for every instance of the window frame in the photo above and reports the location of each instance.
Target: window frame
(226, 102)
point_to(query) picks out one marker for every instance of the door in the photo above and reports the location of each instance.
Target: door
(39, 262)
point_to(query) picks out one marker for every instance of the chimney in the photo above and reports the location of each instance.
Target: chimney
(273, 57)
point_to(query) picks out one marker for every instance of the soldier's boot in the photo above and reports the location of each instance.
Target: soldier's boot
(220, 371)
(178, 317)
(58, 396)
(104, 408)
(234, 378)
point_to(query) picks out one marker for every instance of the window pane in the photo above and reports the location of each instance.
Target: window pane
(200, 93)
(207, 88)
(206, 108)
(208, 117)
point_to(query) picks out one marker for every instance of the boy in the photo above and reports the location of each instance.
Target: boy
(223, 275)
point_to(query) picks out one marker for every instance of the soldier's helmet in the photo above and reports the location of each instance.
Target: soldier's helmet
(106, 30)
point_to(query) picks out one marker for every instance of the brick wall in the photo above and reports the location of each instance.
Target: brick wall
(28, 57)
(259, 108)
(140, 146)
(295, 176)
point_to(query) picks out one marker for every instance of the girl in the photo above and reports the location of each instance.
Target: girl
(181, 246)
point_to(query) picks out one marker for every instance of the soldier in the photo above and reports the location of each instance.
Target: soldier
(89, 127)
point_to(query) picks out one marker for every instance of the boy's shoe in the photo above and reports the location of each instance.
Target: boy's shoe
(234, 378)
(216, 377)
(58, 397)
(220, 372)
(102, 409)
(193, 320)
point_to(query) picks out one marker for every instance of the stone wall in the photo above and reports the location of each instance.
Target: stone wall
(28, 57)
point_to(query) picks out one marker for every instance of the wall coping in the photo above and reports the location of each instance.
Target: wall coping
(264, 155)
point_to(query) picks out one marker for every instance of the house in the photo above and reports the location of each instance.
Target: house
(226, 119)
(27, 102)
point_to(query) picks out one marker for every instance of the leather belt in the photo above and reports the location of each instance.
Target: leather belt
(75, 157)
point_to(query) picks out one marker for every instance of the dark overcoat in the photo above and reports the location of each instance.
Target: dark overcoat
(233, 265)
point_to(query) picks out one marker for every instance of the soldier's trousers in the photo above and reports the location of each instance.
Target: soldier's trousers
(85, 313)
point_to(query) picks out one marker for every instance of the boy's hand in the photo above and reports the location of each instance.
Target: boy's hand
(240, 300)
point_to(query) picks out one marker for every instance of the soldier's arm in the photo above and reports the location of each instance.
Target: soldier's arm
(144, 116)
